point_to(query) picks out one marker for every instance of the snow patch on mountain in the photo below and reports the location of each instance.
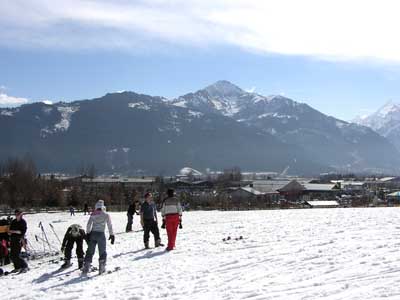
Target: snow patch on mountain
(65, 122)
(195, 114)
(217, 104)
(181, 103)
(7, 113)
(139, 105)
(122, 149)
(66, 113)
(47, 110)
(258, 98)
(272, 131)
(267, 115)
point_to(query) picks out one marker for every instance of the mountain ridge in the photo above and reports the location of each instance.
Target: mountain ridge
(217, 127)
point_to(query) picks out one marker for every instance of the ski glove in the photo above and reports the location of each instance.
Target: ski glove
(163, 224)
(112, 238)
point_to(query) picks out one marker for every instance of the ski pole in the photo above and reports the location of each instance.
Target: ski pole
(38, 238)
(44, 233)
(30, 247)
(52, 228)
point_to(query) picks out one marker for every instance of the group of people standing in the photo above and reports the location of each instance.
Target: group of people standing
(171, 212)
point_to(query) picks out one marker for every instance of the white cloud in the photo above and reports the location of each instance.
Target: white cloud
(6, 100)
(331, 29)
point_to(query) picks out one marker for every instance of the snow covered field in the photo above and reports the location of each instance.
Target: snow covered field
(284, 254)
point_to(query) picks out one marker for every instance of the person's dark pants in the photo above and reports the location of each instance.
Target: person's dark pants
(150, 226)
(129, 224)
(15, 252)
(70, 245)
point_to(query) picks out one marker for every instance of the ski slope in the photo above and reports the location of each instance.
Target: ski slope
(284, 254)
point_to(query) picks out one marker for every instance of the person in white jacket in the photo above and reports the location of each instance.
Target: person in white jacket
(95, 236)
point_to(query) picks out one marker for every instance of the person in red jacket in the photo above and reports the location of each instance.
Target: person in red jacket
(171, 212)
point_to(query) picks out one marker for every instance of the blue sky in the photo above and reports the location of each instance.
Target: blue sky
(83, 49)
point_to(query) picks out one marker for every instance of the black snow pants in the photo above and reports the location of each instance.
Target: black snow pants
(16, 246)
(150, 226)
(130, 222)
(70, 245)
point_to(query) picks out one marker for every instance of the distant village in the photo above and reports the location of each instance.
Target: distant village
(230, 189)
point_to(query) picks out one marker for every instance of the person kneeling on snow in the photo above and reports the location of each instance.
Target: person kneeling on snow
(149, 222)
(74, 234)
(95, 236)
(171, 212)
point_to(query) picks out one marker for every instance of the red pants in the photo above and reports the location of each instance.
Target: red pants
(171, 224)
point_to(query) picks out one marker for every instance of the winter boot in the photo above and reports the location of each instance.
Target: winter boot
(102, 266)
(80, 263)
(158, 243)
(86, 268)
(146, 245)
(66, 264)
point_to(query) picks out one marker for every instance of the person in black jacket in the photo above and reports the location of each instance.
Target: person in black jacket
(17, 232)
(149, 221)
(131, 211)
(74, 234)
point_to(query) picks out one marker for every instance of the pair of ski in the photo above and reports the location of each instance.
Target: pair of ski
(13, 272)
(228, 238)
(96, 269)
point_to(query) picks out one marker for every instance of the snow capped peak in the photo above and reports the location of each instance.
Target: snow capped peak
(388, 108)
(385, 120)
(276, 97)
(223, 88)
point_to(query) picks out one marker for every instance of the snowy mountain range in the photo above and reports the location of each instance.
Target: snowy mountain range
(220, 126)
(385, 121)
(330, 141)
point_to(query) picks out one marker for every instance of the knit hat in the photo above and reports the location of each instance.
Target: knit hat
(170, 192)
(100, 204)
